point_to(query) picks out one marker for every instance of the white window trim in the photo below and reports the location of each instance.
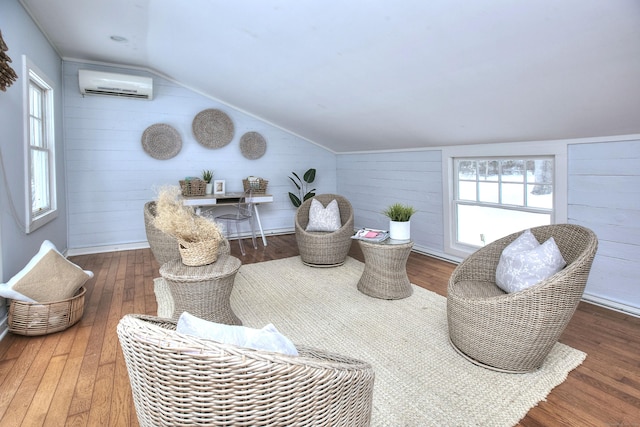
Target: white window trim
(557, 149)
(35, 222)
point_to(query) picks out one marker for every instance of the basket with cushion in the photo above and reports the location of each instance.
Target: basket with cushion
(321, 248)
(179, 379)
(515, 332)
(34, 318)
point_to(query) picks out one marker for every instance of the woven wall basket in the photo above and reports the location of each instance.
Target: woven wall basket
(253, 145)
(212, 128)
(195, 254)
(161, 141)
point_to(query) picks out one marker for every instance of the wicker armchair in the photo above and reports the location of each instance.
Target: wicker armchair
(514, 332)
(324, 249)
(182, 380)
(163, 246)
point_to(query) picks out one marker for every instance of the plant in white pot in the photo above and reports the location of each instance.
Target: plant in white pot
(207, 176)
(399, 220)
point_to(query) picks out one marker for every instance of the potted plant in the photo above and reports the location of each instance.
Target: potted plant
(399, 220)
(302, 186)
(207, 176)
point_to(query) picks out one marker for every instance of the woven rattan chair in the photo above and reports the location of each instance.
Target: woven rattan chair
(163, 246)
(324, 249)
(183, 380)
(514, 332)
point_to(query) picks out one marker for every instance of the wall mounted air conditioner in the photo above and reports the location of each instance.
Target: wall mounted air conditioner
(111, 84)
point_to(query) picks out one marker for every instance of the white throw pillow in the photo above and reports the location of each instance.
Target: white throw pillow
(324, 219)
(7, 291)
(522, 266)
(48, 276)
(268, 338)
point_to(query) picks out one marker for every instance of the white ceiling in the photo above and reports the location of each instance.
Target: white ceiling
(372, 74)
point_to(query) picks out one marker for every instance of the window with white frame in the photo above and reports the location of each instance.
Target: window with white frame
(498, 189)
(495, 197)
(40, 148)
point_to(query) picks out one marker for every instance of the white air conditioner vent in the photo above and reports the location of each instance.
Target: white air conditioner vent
(112, 84)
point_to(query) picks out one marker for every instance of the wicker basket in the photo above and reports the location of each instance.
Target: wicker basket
(196, 254)
(193, 187)
(259, 186)
(32, 318)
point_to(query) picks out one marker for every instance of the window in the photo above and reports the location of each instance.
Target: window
(40, 149)
(497, 189)
(496, 197)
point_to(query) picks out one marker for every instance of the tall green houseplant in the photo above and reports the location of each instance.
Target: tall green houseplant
(302, 185)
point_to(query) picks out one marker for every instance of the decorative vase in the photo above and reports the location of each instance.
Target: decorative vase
(400, 230)
(209, 188)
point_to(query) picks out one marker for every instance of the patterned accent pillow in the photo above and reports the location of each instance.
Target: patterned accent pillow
(522, 266)
(268, 338)
(324, 219)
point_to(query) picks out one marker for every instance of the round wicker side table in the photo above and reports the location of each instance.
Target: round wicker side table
(385, 269)
(203, 291)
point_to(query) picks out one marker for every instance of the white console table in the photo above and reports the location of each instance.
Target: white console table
(230, 199)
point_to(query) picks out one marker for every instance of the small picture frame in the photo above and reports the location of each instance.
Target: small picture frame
(219, 187)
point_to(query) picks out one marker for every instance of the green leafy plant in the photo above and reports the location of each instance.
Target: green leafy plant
(207, 176)
(302, 185)
(399, 212)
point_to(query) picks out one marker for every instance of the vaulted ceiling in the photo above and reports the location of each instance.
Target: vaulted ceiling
(374, 75)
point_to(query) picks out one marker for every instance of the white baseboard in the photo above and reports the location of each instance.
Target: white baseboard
(611, 305)
(108, 248)
(4, 327)
(144, 244)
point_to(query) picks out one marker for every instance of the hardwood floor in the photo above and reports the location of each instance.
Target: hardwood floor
(78, 378)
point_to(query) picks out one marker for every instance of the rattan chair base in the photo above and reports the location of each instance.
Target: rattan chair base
(484, 365)
(309, 264)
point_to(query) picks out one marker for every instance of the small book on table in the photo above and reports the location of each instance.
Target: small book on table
(371, 235)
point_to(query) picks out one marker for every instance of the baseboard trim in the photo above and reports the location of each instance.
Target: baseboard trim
(144, 244)
(611, 305)
(4, 327)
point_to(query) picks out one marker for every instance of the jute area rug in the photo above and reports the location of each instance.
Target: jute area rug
(420, 380)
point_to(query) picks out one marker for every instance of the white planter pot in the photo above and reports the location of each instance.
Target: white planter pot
(208, 189)
(400, 230)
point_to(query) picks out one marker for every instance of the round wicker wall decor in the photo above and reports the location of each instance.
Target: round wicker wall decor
(253, 145)
(212, 128)
(161, 141)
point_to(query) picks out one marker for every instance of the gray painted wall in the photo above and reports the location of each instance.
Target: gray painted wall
(16, 248)
(110, 176)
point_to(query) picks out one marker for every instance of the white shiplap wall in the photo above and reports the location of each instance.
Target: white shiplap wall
(110, 177)
(373, 181)
(604, 195)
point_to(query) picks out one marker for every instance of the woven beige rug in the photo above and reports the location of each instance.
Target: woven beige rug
(420, 380)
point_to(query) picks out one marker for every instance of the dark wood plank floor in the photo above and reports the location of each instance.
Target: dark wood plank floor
(78, 378)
